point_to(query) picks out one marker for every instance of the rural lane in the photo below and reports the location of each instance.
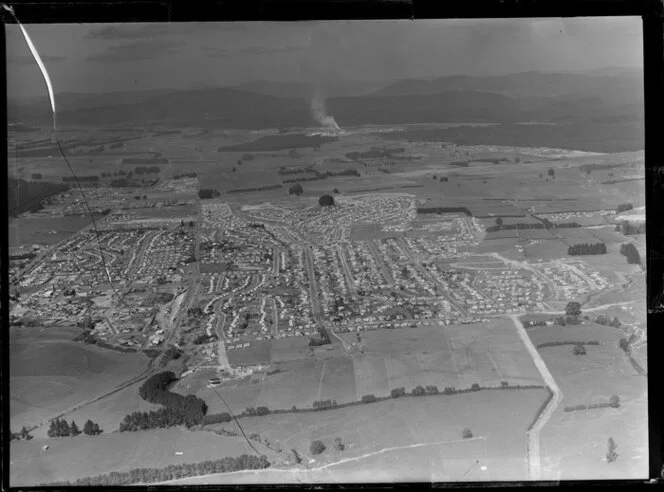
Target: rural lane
(533, 434)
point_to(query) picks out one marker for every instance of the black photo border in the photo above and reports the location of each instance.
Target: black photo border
(651, 12)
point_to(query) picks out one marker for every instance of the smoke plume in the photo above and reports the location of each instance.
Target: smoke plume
(317, 107)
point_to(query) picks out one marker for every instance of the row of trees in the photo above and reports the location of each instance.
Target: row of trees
(256, 412)
(147, 170)
(60, 428)
(544, 224)
(255, 188)
(81, 179)
(326, 174)
(587, 249)
(185, 175)
(614, 402)
(172, 472)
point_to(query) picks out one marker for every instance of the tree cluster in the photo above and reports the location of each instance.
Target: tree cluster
(316, 447)
(203, 338)
(60, 428)
(629, 229)
(178, 410)
(326, 201)
(607, 321)
(256, 412)
(573, 308)
(579, 350)
(172, 472)
(296, 189)
(147, 170)
(185, 175)
(323, 338)
(587, 249)
(22, 434)
(369, 398)
(324, 404)
(205, 193)
(611, 454)
(217, 418)
(630, 252)
(398, 392)
(624, 207)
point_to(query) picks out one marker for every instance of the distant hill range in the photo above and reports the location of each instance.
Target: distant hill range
(595, 97)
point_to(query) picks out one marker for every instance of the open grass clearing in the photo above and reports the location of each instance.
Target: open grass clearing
(50, 373)
(69, 458)
(410, 421)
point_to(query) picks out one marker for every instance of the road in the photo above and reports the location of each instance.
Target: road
(219, 330)
(533, 435)
(347, 274)
(316, 309)
(387, 274)
(275, 316)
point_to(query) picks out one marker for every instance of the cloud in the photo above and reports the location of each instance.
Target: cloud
(29, 60)
(251, 51)
(139, 50)
(141, 31)
(137, 31)
(217, 52)
(261, 50)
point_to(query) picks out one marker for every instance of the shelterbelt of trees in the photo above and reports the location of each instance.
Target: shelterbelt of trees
(172, 472)
(178, 410)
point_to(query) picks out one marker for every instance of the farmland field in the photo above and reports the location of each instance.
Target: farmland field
(401, 423)
(574, 443)
(44, 230)
(50, 373)
(69, 458)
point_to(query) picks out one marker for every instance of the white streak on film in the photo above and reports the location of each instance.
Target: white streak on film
(35, 55)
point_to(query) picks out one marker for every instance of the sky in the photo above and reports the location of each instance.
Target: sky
(126, 57)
